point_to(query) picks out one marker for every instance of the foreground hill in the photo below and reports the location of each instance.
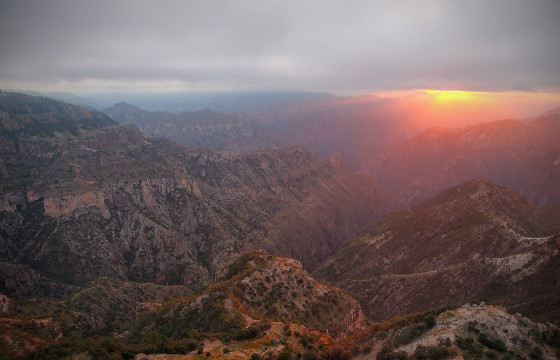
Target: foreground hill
(259, 287)
(468, 332)
(80, 202)
(477, 241)
(261, 307)
(522, 155)
(262, 304)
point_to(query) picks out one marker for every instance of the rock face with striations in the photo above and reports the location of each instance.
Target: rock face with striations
(477, 241)
(84, 198)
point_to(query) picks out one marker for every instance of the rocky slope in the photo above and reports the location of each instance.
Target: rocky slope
(106, 201)
(468, 332)
(522, 155)
(259, 287)
(24, 115)
(201, 129)
(261, 304)
(477, 241)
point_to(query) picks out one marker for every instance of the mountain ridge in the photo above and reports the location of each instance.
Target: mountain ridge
(476, 241)
(522, 155)
(204, 129)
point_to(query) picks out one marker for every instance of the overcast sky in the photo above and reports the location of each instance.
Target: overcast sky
(305, 45)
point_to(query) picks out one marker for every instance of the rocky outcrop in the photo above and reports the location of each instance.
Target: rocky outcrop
(259, 287)
(5, 304)
(71, 204)
(282, 290)
(469, 332)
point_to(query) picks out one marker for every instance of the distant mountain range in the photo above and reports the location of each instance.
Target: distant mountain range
(353, 129)
(203, 129)
(177, 102)
(380, 138)
(524, 155)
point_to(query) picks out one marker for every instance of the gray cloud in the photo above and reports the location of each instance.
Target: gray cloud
(327, 45)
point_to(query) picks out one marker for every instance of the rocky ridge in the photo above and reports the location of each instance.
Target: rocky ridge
(468, 332)
(477, 241)
(261, 304)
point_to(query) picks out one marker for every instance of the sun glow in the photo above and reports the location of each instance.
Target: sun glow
(454, 95)
(457, 108)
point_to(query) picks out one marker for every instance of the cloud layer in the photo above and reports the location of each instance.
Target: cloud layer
(322, 45)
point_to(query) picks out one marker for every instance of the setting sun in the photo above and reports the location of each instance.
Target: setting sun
(453, 95)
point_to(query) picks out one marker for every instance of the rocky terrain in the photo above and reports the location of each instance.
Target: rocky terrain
(523, 155)
(261, 304)
(118, 245)
(259, 287)
(477, 241)
(468, 332)
(98, 308)
(84, 201)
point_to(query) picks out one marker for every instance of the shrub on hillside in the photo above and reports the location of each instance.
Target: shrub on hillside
(432, 353)
(494, 344)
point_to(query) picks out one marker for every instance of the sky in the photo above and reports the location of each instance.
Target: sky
(336, 46)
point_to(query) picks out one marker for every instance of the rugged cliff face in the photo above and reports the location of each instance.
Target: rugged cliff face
(477, 241)
(109, 202)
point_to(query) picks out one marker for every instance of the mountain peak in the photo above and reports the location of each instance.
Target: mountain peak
(479, 191)
(479, 183)
(125, 105)
(266, 287)
(26, 115)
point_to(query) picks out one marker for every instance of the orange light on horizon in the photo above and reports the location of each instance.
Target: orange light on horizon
(454, 95)
(463, 107)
